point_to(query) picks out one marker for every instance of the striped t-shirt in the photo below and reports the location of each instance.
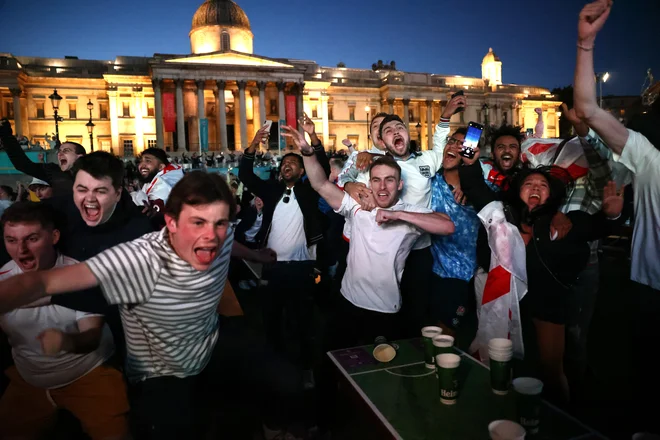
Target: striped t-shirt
(168, 309)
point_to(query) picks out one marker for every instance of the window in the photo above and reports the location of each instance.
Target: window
(272, 106)
(315, 112)
(128, 147)
(40, 110)
(210, 109)
(150, 109)
(505, 117)
(225, 41)
(411, 115)
(103, 110)
(331, 116)
(151, 143)
(9, 110)
(73, 111)
(105, 146)
(351, 113)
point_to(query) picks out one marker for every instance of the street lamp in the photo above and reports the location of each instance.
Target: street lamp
(55, 101)
(602, 78)
(90, 125)
(419, 135)
(367, 110)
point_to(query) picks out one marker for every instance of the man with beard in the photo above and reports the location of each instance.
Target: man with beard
(158, 177)
(292, 227)
(58, 176)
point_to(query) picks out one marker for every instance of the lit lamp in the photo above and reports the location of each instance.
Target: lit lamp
(90, 125)
(367, 110)
(55, 102)
(419, 134)
(602, 78)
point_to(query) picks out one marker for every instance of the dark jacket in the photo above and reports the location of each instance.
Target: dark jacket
(248, 216)
(60, 181)
(271, 193)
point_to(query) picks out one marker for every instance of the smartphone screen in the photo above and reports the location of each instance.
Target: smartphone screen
(473, 135)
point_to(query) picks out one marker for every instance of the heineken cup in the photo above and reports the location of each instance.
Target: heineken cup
(428, 333)
(447, 371)
(500, 352)
(528, 402)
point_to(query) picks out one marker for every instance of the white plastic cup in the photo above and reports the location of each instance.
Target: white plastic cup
(384, 353)
(443, 344)
(500, 344)
(506, 430)
(428, 333)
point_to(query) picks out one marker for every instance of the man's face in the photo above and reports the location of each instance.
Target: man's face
(373, 130)
(198, 234)
(66, 156)
(396, 139)
(43, 192)
(451, 159)
(31, 245)
(95, 198)
(534, 191)
(148, 167)
(4, 195)
(506, 152)
(258, 203)
(386, 184)
(291, 171)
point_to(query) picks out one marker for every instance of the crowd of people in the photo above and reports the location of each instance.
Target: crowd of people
(113, 281)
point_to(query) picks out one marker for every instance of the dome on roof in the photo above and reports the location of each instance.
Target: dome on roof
(220, 13)
(490, 57)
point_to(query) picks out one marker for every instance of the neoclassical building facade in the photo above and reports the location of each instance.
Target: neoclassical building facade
(217, 96)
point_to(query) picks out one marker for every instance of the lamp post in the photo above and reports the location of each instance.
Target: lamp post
(602, 78)
(90, 125)
(367, 110)
(55, 101)
(419, 135)
(485, 108)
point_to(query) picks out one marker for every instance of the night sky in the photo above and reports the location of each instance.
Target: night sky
(534, 38)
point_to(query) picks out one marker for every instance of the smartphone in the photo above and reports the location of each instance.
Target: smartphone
(471, 141)
(530, 132)
(267, 123)
(459, 93)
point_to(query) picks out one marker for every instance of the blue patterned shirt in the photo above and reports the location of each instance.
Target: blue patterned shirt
(455, 255)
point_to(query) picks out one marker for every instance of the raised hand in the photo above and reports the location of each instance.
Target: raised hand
(581, 128)
(307, 124)
(454, 104)
(297, 138)
(477, 154)
(363, 160)
(260, 137)
(612, 200)
(592, 18)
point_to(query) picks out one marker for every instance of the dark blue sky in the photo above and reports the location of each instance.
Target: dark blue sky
(534, 38)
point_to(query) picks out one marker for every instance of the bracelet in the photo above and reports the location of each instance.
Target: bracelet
(586, 49)
(307, 154)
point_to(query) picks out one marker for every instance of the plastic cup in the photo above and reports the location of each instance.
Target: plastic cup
(384, 353)
(428, 333)
(447, 367)
(528, 402)
(506, 430)
(499, 344)
(443, 344)
(500, 368)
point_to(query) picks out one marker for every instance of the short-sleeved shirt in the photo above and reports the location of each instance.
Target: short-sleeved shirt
(22, 326)
(643, 159)
(377, 256)
(168, 308)
(455, 255)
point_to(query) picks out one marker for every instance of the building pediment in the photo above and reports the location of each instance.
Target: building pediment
(230, 58)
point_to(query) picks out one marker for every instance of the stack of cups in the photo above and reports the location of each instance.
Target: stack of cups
(528, 402)
(442, 344)
(428, 333)
(500, 352)
(447, 369)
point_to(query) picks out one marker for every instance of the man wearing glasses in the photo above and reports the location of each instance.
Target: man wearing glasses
(292, 227)
(58, 176)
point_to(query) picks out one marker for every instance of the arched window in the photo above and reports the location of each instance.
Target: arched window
(224, 41)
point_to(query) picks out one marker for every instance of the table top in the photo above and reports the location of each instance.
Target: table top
(403, 394)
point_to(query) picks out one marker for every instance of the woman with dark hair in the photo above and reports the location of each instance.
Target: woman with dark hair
(552, 265)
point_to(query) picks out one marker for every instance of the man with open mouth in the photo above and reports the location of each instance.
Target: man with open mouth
(167, 285)
(58, 176)
(158, 177)
(59, 353)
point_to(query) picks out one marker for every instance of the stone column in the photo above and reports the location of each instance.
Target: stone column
(114, 121)
(201, 111)
(180, 122)
(243, 109)
(257, 116)
(158, 103)
(221, 115)
(139, 130)
(430, 123)
(18, 124)
(262, 103)
(390, 103)
(299, 104)
(326, 123)
(406, 116)
(280, 98)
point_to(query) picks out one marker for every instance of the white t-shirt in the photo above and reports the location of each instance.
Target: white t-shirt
(22, 326)
(251, 233)
(377, 256)
(643, 159)
(287, 231)
(168, 308)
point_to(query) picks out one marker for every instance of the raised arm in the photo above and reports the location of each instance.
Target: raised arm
(613, 133)
(431, 222)
(246, 168)
(442, 129)
(315, 173)
(309, 128)
(17, 156)
(23, 289)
